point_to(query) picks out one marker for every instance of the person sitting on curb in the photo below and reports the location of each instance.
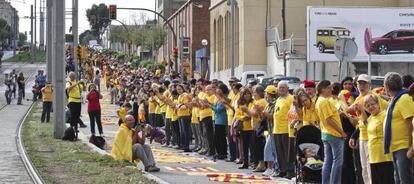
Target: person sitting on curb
(130, 145)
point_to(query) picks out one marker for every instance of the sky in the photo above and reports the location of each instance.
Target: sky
(126, 16)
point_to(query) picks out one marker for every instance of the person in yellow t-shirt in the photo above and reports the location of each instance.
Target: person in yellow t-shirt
(363, 85)
(332, 134)
(122, 112)
(246, 131)
(258, 124)
(183, 107)
(398, 128)
(206, 118)
(152, 105)
(309, 116)
(195, 121)
(47, 95)
(129, 145)
(281, 126)
(235, 94)
(381, 164)
(74, 90)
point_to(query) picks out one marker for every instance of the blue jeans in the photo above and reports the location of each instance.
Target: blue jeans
(402, 167)
(185, 131)
(334, 155)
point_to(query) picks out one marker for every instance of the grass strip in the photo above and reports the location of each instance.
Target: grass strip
(71, 162)
(25, 57)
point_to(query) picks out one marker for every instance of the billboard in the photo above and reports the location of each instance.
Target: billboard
(386, 33)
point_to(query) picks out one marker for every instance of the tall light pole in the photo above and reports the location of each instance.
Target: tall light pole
(75, 32)
(49, 47)
(204, 42)
(32, 43)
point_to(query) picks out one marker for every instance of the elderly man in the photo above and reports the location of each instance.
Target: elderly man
(281, 126)
(398, 128)
(73, 90)
(130, 145)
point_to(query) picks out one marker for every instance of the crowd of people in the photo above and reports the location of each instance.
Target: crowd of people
(366, 134)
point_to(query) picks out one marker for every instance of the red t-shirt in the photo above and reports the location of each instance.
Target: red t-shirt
(93, 101)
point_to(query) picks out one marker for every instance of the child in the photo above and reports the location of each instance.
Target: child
(113, 92)
(122, 112)
(157, 134)
(312, 160)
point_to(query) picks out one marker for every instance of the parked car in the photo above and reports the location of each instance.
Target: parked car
(326, 37)
(251, 75)
(377, 81)
(402, 39)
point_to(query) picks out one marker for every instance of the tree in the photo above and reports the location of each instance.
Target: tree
(86, 36)
(5, 32)
(98, 16)
(22, 39)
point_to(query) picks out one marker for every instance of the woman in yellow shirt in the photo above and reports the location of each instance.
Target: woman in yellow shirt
(246, 131)
(310, 117)
(382, 168)
(183, 107)
(332, 134)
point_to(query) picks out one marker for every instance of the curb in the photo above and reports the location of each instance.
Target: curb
(84, 139)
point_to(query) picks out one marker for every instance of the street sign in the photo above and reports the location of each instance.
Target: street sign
(345, 49)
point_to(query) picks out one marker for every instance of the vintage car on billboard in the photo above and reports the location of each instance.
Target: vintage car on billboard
(326, 37)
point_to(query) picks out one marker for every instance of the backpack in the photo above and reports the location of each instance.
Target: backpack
(98, 141)
(70, 134)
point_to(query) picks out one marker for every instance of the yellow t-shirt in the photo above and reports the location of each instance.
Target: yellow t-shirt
(240, 115)
(182, 101)
(230, 113)
(206, 112)
(292, 115)
(325, 109)
(122, 113)
(74, 93)
(310, 117)
(280, 122)
(47, 94)
(363, 135)
(262, 103)
(152, 105)
(194, 115)
(174, 116)
(169, 111)
(404, 108)
(163, 106)
(122, 147)
(375, 131)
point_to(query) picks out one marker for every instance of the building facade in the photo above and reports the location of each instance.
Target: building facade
(190, 22)
(254, 50)
(10, 14)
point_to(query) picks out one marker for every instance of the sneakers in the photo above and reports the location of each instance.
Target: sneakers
(268, 172)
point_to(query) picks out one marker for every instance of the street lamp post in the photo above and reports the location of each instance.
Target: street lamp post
(204, 42)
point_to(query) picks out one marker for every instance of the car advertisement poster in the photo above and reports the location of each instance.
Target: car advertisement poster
(386, 33)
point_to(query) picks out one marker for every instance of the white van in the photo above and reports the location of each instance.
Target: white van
(251, 75)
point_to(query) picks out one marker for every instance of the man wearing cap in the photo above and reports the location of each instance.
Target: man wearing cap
(309, 86)
(364, 88)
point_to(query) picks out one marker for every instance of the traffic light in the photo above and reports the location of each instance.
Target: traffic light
(112, 12)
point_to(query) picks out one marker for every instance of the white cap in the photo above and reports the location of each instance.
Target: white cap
(364, 77)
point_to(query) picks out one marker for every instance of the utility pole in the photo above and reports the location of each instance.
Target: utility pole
(32, 50)
(49, 47)
(15, 32)
(35, 27)
(75, 34)
(233, 5)
(42, 25)
(58, 66)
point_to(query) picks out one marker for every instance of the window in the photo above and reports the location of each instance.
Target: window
(250, 76)
(400, 34)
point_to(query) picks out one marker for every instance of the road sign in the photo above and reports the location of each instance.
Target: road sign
(345, 49)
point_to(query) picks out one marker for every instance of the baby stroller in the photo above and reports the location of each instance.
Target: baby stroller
(308, 137)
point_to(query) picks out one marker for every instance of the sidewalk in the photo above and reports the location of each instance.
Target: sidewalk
(176, 166)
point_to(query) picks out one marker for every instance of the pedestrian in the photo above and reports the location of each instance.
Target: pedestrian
(21, 81)
(94, 109)
(398, 128)
(47, 97)
(232, 139)
(244, 123)
(206, 118)
(8, 84)
(183, 112)
(382, 168)
(13, 77)
(129, 144)
(332, 134)
(97, 80)
(74, 89)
